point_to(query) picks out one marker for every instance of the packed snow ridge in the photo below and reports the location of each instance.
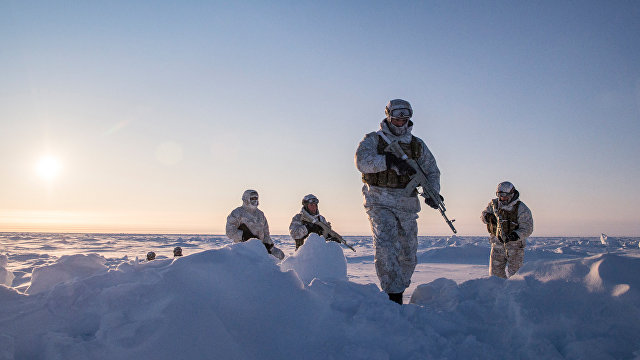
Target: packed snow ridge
(238, 302)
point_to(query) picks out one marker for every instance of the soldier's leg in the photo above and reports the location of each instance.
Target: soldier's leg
(497, 261)
(408, 238)
(384, 226)
(515, 260)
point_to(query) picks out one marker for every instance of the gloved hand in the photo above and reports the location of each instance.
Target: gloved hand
(314, 228)
(490, 218)
(269, 247)
(330, 238)
(512, 237)
(403, 167)
(429, 201)
(246, 233)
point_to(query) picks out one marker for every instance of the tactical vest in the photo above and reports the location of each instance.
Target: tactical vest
(389, 178)
(509, 220)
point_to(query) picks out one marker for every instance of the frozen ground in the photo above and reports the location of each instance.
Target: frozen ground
(80, 296)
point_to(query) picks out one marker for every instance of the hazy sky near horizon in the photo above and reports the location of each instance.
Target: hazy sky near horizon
(157, 115)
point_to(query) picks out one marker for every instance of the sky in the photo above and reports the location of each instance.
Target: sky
(154, 116)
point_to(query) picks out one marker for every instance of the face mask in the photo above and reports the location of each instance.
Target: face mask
(398, 130)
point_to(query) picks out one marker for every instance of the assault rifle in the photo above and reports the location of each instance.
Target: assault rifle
(499, 230)
(327, 232)
(498, 220)
(419, 179)
(499, 227)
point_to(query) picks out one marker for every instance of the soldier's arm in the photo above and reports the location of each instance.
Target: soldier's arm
(487, 210)
(266, 237)
(525, 221)
(233, 221)
(297, 230)
(367, 159)
(428, 163)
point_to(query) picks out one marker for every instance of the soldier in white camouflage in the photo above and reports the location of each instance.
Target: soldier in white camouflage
(392, 214)
(510, 223)
(248, 222)
(300, 229)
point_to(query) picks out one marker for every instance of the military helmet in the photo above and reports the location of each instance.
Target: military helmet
(398, 108)
(310, 199)
(505, 189)
(177, 251)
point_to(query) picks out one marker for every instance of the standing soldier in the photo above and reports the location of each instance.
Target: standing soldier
(392, 212)
(510, 223)
(301, 228)
(248, 222)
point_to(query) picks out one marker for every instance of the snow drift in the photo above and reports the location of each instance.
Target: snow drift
(237, 302)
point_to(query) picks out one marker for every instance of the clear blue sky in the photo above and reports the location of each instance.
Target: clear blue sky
(160, 114)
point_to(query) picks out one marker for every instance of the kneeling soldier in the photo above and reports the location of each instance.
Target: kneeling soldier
(300, 228)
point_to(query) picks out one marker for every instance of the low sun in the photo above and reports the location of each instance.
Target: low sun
(48, 167)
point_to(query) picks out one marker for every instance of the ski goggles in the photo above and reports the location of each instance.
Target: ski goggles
(502, 194)
(401, 113)
(312, 201)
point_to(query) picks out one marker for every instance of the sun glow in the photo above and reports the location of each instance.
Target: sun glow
(48, 167)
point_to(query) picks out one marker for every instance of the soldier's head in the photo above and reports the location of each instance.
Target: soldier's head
(151, 256)
(398, 113)
(505, 192)
(250, 198)
(177, 251)
(310, 203)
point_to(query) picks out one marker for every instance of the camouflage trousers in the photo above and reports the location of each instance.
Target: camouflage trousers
(499, 259)
(395, 237)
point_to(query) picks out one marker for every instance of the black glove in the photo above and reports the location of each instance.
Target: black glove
(490, 218)
(403, 167)
(331, 238)
(429, 201)
(269, 247)
(512, 237)
(246, 233)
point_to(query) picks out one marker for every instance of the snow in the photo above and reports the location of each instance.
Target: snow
(82, 297)
(317, 259)
(6, 277)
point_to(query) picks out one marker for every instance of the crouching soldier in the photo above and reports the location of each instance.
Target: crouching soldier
(248, 222)
(302, 223)
(510, 223)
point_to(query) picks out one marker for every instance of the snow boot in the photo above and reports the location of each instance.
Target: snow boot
(396, 297)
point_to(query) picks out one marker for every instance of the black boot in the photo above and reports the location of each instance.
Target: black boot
(396, 297)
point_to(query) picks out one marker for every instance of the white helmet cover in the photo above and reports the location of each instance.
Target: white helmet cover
(398, 108)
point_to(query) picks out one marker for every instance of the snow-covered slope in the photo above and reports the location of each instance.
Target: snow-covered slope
(238, 302)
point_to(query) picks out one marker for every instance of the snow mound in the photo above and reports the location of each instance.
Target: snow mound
(6, 276)
(317, 259)
(68, 267)
(582, 308)
(238, 302)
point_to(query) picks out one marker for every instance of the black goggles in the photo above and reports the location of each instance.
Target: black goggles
(312, 201)
(401, 113)
(502, 194)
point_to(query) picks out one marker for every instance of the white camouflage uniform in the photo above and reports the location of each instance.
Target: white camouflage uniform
(297, 229)
(251, 216)
(512, 252)
(391, 214)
